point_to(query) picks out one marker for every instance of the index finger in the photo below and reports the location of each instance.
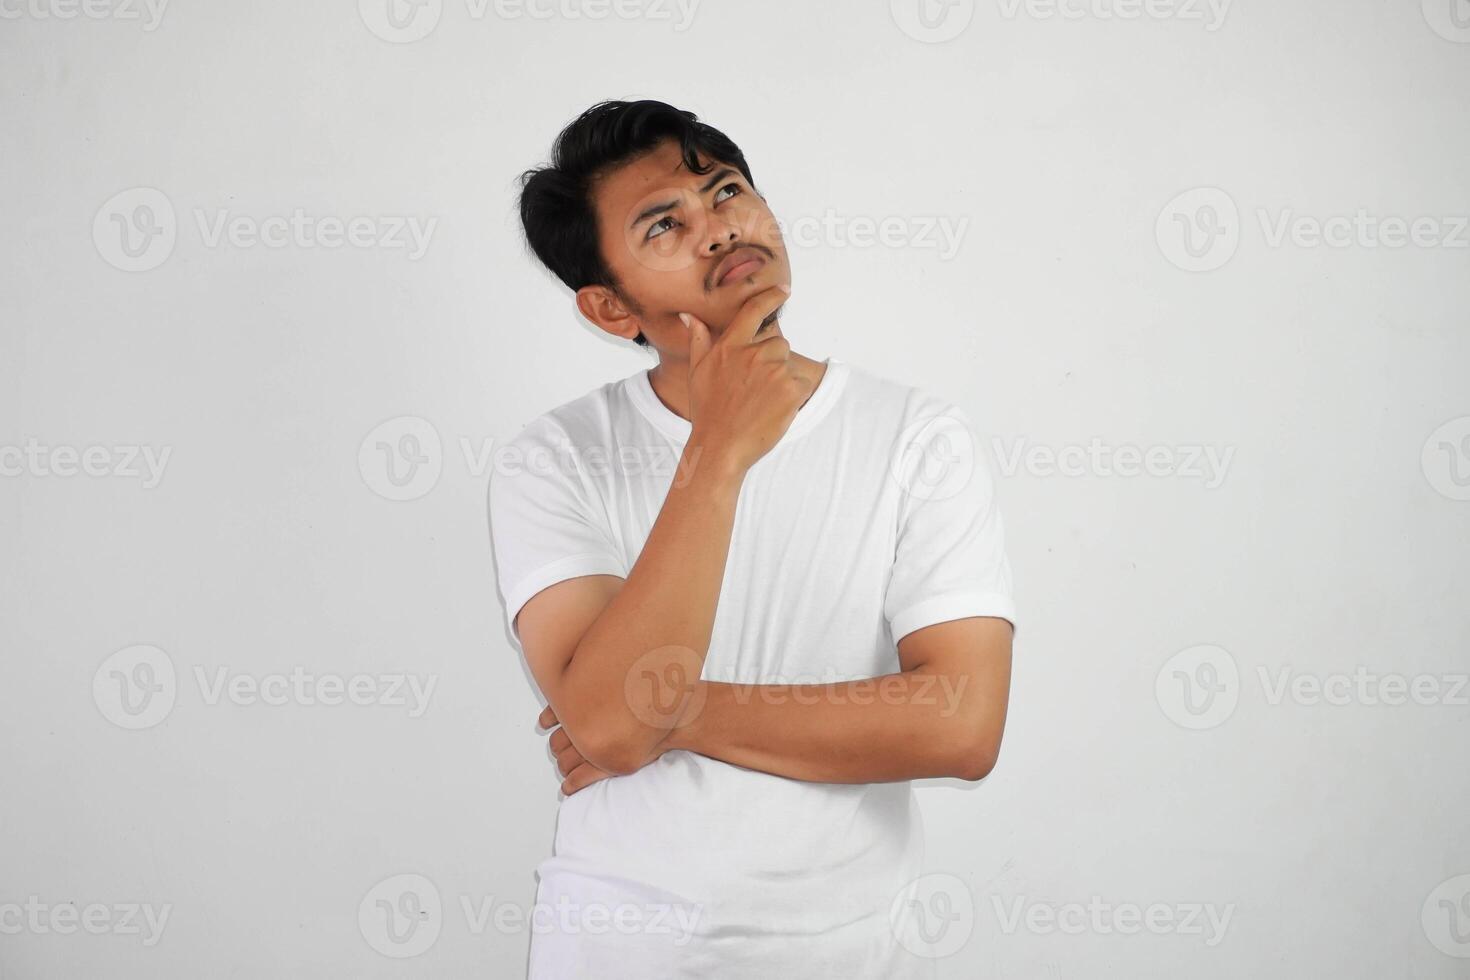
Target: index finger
(581, 777)
(752, 312)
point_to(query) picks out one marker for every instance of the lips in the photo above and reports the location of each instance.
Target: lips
(737, 265)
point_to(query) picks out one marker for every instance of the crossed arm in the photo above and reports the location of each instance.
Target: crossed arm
(619, 661)
(942, 714)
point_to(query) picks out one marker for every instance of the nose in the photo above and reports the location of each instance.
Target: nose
(721, 232)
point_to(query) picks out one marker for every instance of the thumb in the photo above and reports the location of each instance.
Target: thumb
(699, 340)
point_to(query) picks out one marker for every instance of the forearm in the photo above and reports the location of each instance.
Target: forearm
(624, 682)
(908, 725)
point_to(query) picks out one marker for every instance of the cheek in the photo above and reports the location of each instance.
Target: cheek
(673, 251)
(757, 224)
(675, 248)
(660, 292)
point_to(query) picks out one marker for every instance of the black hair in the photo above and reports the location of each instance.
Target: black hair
(557, 214)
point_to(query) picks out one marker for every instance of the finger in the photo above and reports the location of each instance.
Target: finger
(567, 760)
(773, 348)
(752, 312)
(580, 778)
(547, 718)
(560, 740)
(699, 342)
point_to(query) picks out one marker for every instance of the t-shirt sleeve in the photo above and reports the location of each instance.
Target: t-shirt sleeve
(542, 522)
(950, 561)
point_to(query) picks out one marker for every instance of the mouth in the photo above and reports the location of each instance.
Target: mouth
(746, 262)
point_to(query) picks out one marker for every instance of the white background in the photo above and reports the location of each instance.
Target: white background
(1333, 542)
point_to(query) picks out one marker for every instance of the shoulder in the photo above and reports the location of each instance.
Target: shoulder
(905, 411)
(933, 447)
(583, 421)
(549, 449)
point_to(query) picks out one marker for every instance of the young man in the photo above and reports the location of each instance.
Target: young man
(760, 592)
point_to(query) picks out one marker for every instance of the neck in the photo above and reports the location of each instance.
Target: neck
(670, 380)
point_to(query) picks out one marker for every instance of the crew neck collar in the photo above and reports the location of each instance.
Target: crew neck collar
(640, 389)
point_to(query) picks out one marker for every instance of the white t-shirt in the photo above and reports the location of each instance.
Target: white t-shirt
(873, 516)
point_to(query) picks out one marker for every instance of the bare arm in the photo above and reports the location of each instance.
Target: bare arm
(657, 622)
(943, 714)
(618, 659)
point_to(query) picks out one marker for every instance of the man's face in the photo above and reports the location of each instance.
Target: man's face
(681, 242)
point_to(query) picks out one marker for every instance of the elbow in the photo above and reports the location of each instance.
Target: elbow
(608, 736)
(974, 738)
(975, 766)
(615, 749)
(975, 757)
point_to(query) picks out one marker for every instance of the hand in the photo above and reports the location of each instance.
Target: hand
(576, 772)
(744, 392)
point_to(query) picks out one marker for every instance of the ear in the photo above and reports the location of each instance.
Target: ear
(602, 307)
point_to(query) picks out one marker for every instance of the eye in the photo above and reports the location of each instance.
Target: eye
(668, 223)
(656, 229)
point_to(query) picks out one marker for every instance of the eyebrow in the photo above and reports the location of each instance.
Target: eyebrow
(658, 209)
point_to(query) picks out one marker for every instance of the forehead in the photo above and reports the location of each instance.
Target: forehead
(660, 169)
(661, 166)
